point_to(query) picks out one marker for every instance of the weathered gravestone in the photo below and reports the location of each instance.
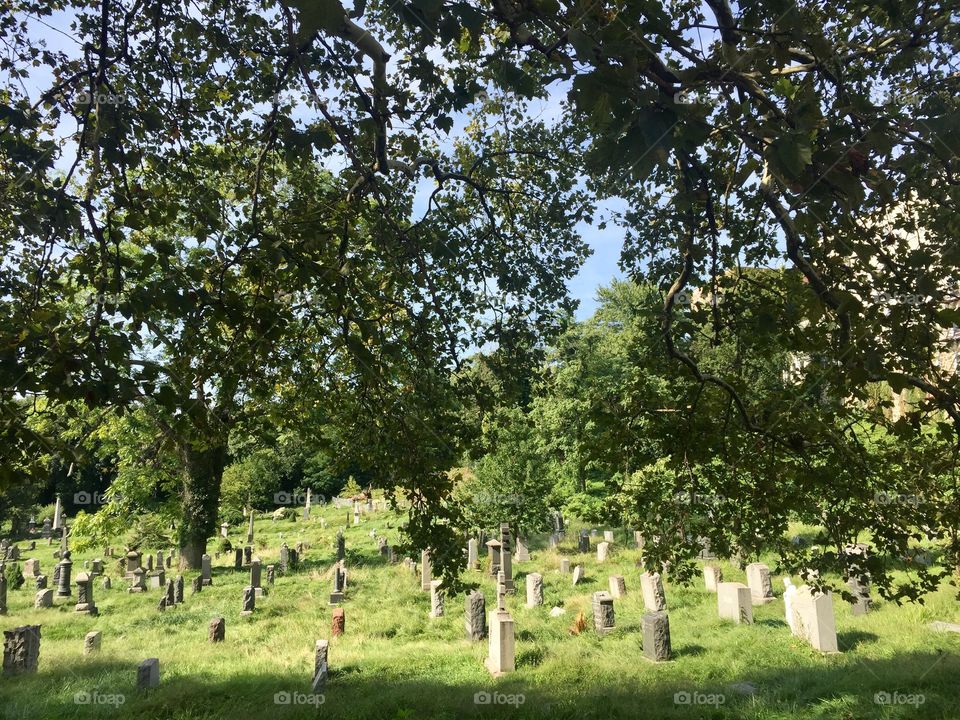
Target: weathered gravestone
(217, 630)
(85, 603)
(248, 602)
(534, 590)
(40, 583)
(436, 599)
(339, 582)
(656, 636)
(758, 579)
(148, 674)
(255, 575)
(564, 565)
(583, 542)
(91, 642)
(476, 619)
(608, 536)
(238, 559)
(603, 551)
(138, 583)
(320, 665)
(501, 655)
(197, 584)
(44, 599)
(618, 586)
(426, 571)
(814, 620)
(493, 553)
(206, 573)
(170, 593)
(734, 603)
(523, 552)
(178, 590)
(31, 568)
(603, 615)
(577, 574)
(712, 576)
(473, 555)
(338, 623)
(21, 649)
(652, 588)
(271, 574)
(65, 567)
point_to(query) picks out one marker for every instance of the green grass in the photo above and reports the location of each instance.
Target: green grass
(395, 662)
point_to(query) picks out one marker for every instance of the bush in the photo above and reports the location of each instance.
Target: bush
(15, 577)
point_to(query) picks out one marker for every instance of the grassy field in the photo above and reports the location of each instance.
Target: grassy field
(396, 662)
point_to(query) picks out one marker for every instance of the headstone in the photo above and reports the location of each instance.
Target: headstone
(306, 508)
(250, 528)
(339, 582)
(618, 586)
(138, 583)
(814, 619)
(501, 656)
(247, 555)
(162, 605)
(271, 574)
(473, 555)
(858, 577)
(789, 595)
(107, 583)
(56, 575)
(160, 562)
(58, 514)
(734, 603)
(206, 573)
(338, 623)
(44, 599)
(91, 642)
(506, 556)
(656, 636)
(523, 552)
(21, 649)
(255, 575)
(583, 542)
(758, 579)
(651, 586)
(608, 536)
(47, 531)
(224, 529)
(493, 553)
(554, 541)
(148, 674)
(248, 602)
(196, 584)
(178, 590)
(149, 563)
(565, 565)
(436, 599)
(63, 584)
(426, 571)
(158, 580)
(238, 559)
(3, 591)
(638, 539)
(476, 619)
(712, 576)
(171, 593)
(603, 550)
(534, 590)
(320, 665)
(577, 574)
(97, 567)
(85, 603)
(603, 616)
(285, 559)
(133, 562)
(341, 546)
(217, 630)
(31, 568)
(41, 582)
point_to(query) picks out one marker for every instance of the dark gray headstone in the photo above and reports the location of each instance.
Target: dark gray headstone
(476, 617)
(217, 630)
(21, 649)
(656, 636)
(148, 674)
(603, 616)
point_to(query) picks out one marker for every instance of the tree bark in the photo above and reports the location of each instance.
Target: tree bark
(203, 466)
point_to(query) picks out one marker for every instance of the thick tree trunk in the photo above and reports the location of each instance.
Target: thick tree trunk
(202, 472)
